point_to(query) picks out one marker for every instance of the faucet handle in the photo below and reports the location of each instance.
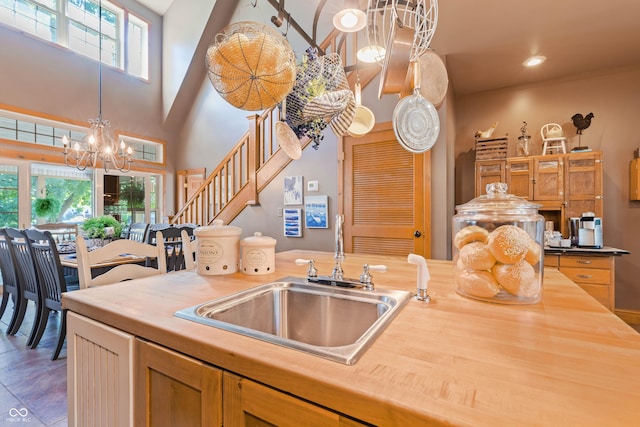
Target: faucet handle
(381, 268)
(311, 271)
(365, 277)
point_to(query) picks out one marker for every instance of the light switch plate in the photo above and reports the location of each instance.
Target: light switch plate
(312, 185)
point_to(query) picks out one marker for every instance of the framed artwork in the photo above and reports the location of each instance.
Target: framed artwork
(292, 222)
(292, 190)
(316, 211)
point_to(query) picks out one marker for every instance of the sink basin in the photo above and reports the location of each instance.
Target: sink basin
(336, 323)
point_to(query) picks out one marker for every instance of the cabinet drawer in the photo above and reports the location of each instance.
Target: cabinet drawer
(585, 261)
(580, 275)
(599, 292)
(551, 261)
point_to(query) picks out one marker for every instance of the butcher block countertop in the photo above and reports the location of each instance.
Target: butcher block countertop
(566, 361)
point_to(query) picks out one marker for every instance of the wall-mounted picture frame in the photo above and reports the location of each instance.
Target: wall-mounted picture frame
(292, 218)
(292, 190)
(316, 211)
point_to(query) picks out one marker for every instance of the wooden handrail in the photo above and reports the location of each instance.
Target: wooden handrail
(257, 159)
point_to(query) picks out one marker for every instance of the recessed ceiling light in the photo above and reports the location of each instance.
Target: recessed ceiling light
(350, 20)
(534, 60)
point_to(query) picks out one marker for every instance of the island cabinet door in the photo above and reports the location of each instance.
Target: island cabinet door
(175, 390)
(99, 374)
(249, 404)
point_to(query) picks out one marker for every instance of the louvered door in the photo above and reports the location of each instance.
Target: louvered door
(386, 196)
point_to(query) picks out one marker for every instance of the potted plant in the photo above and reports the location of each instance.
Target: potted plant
(101, 227)
(47, 207)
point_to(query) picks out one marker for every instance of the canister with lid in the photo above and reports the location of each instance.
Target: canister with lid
(218, 248)
(258, 254)
(498, 248)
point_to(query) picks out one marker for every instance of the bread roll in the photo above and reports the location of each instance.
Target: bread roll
(518, 279)
(480, 284)
(477, 256)
(471, 233)
(533, 254)
(508, 244)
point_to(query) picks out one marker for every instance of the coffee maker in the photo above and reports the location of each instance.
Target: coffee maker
(590, 231)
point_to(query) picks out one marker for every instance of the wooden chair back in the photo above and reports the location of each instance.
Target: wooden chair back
(53, 283)
(60, 231)
(119, 272)
(189, 249)
(138, 232)
(10, 285)
(173, 248)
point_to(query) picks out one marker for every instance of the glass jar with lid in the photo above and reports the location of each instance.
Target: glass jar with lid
(497, 248)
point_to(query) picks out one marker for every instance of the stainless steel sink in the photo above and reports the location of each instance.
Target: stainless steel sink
(328, 321)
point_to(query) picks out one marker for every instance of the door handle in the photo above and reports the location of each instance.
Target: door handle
(417, 233)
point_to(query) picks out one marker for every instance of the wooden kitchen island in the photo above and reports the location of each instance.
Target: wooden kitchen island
(567, 361)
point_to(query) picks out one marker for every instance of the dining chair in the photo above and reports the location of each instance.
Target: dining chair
(53, 283)
(60, 231)
(119, 272)
(10, 285)
(28, 283)
(138, 232)
(174, 252)
(189, 249)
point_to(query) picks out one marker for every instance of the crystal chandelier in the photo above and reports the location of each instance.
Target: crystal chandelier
(99, 143)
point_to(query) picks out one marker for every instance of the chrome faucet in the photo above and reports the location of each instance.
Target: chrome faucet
(337, 276)
(338, 273)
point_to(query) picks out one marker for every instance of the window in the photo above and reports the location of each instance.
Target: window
(76, 24)
(138, 47)
(132, 198)
(71, 188)
(37, 17)
(25, 128)
(8, 195)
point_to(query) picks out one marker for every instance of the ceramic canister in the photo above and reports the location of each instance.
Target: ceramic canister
(218, 249)
(258, 254)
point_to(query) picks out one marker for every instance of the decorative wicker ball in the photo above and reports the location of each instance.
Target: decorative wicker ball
(251, 66)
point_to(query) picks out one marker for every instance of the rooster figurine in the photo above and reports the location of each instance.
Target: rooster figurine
(487, 133)
(581, 123)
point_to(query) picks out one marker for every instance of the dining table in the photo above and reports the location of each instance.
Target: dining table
(69, 261)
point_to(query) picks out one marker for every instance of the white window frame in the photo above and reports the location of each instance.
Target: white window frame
(98, 177)
(123, 50)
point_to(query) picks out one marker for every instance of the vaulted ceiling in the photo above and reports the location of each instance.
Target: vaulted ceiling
(485, 42)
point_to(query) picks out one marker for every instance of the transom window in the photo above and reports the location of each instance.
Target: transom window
(35, 130)
(75, 24)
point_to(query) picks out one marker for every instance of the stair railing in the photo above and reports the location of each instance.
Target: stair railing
(257, 159)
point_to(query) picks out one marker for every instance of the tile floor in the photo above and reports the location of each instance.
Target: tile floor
(33, 389)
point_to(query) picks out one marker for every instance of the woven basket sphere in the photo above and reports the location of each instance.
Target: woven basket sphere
(251, 66)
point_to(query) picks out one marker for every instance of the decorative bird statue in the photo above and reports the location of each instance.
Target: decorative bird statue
(581, 123)
(487, 133)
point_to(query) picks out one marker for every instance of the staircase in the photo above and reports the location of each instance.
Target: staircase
(257, 159)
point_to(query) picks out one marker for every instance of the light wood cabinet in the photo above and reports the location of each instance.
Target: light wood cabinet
(634, 179)
(488, 171)
(593, 273)
(565, 185)
(250, 404)
(175, 390)
(584, 184)
(519, 177)
(99, 374)
(116, 379)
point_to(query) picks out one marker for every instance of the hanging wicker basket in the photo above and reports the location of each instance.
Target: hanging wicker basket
(320, 96)
(251, 66)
